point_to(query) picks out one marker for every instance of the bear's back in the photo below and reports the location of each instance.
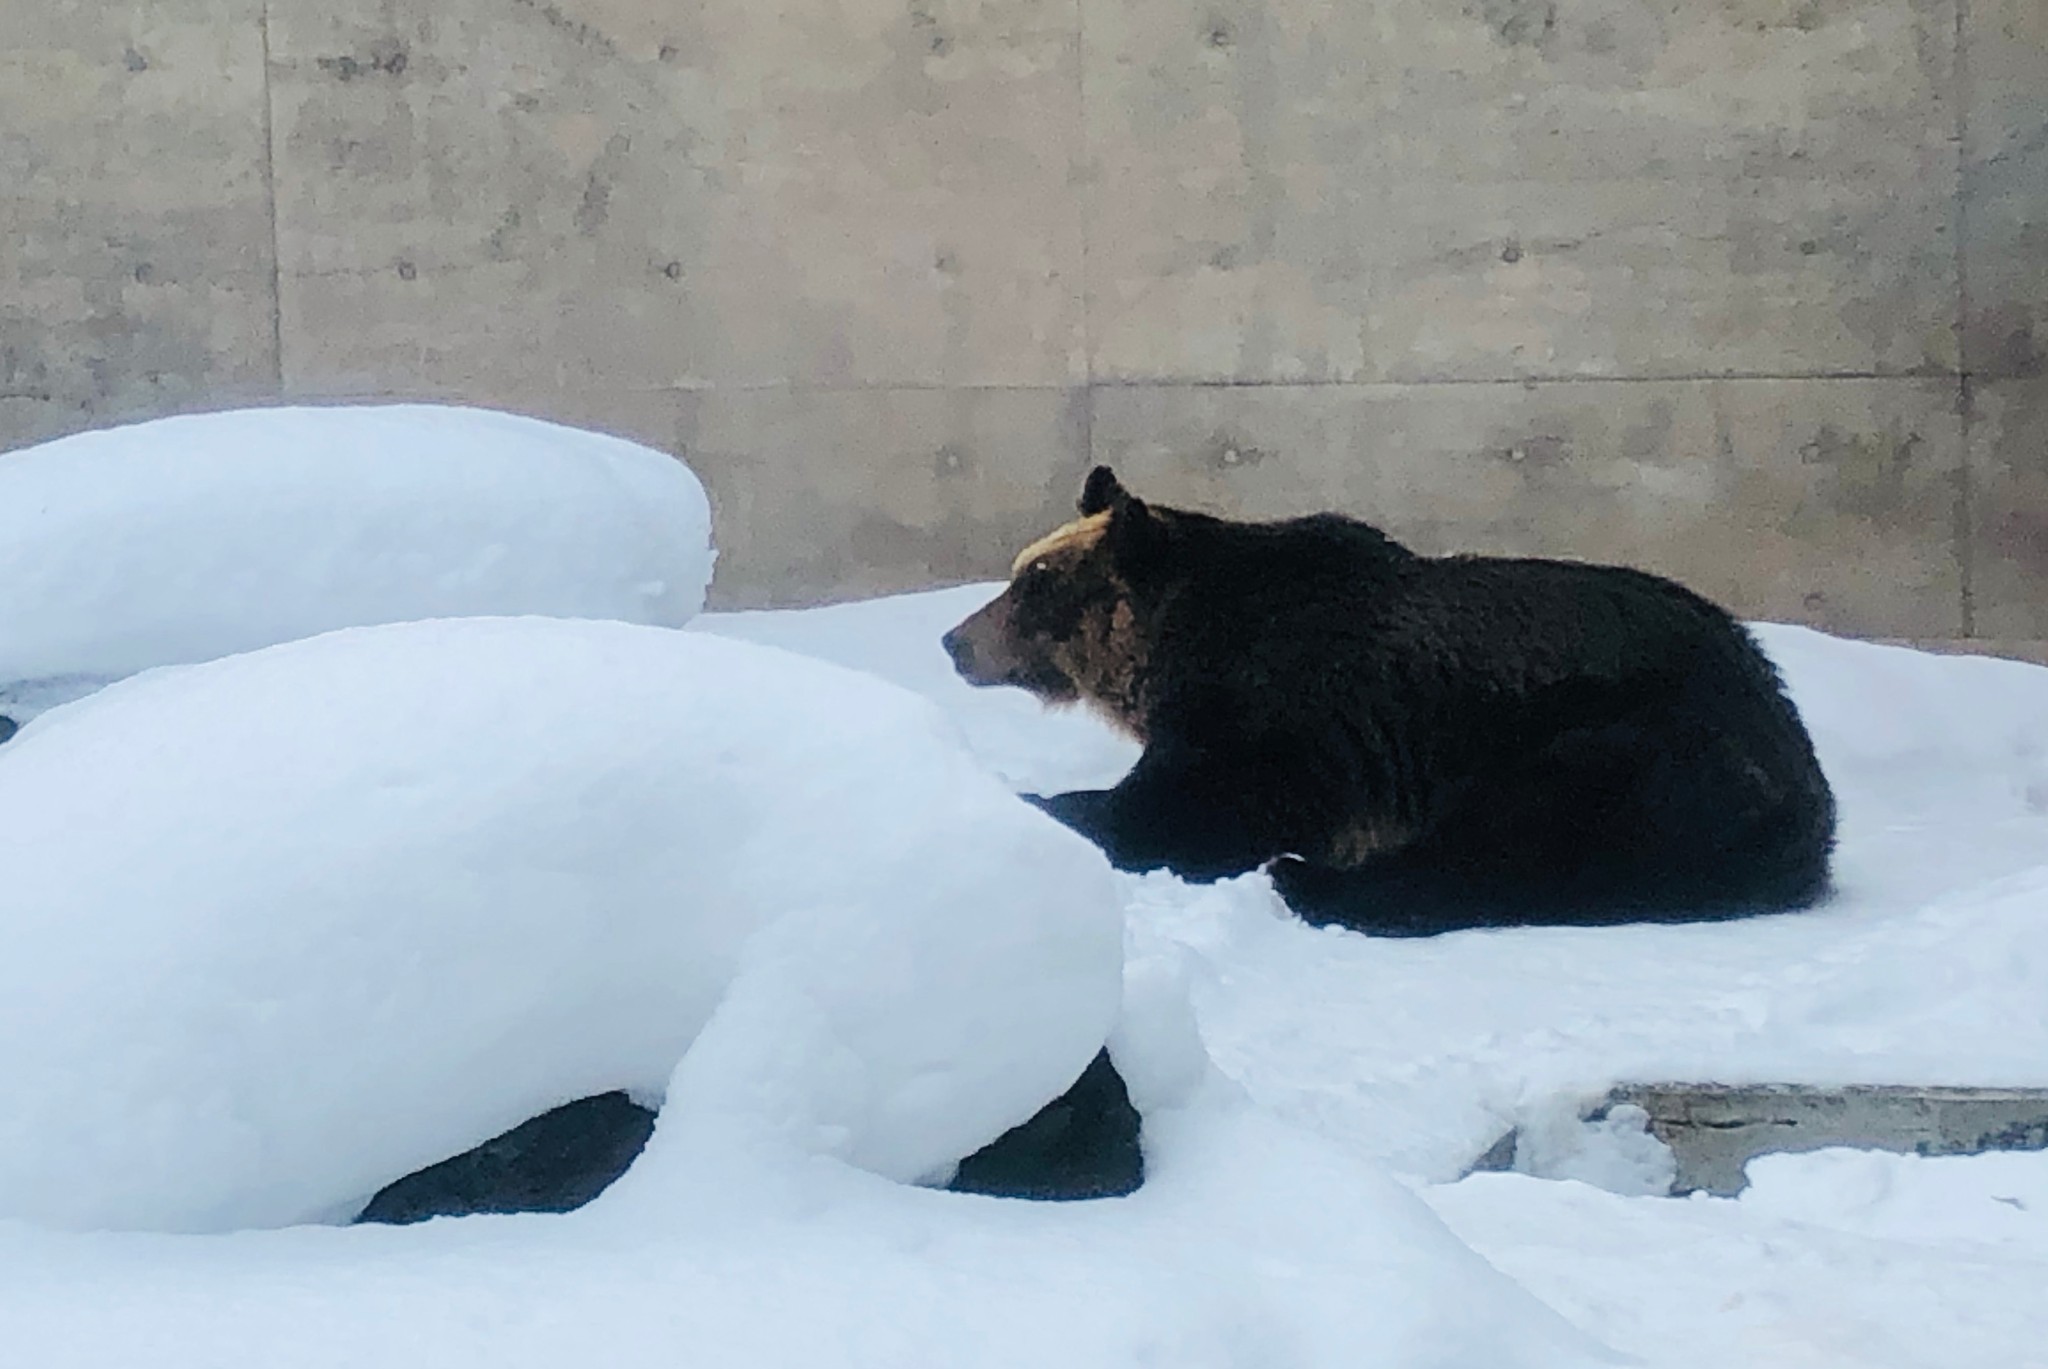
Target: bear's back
(1541, 618)
(1333, 589)
(1321, 625)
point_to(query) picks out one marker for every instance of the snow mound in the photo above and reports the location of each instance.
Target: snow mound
(1251, 1244)
(190, 538)
(285, 926)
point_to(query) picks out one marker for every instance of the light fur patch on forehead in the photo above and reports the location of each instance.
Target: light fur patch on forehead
(1079, 535)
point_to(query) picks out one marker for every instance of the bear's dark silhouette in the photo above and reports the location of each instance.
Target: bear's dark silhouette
(1414, 743)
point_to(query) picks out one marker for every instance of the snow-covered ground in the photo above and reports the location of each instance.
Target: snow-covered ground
(275, 928)
(183, 539)
(283, 926)
(1930, 967)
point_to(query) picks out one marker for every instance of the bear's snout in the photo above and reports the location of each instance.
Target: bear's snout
(988, 652)
(960, 649)
(980, 649)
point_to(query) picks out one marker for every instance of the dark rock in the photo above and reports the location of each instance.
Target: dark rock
(8, 727)
(555, 1162)
(1083, 1144)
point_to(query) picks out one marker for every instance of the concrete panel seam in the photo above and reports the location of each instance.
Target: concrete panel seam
(1966, 398)
(270, 196)
(1086, 168)
(1532, 379)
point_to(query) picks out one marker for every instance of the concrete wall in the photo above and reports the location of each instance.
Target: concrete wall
(1751, 291)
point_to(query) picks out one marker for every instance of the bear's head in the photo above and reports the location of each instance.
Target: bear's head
(1070, 627)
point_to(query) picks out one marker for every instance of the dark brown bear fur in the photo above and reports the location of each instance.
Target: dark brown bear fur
(1414, 743)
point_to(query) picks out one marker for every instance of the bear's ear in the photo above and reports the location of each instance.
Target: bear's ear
(1134, 534)
(1101, 491)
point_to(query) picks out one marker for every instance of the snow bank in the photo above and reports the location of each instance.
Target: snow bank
(1251, 1244)
(190, 538)
(285, 926)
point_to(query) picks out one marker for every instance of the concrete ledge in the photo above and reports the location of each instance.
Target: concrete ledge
(1713, 1130)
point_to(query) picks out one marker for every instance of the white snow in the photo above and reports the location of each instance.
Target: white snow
(183, 539)
(286, 925)
(1832, 1260)
(1253, 1244)
(1285, 1071)
(283, 927)
(1930, 967)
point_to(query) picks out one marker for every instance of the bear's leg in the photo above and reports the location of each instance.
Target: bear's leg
(1659, 816)
(1387, 896)
(1673, 813)
(1179, 809)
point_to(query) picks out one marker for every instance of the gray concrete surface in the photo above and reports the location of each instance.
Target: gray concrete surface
(1714, 1130)
(1752, 291)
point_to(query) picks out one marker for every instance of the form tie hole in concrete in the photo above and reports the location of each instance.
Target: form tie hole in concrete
(1713, 1131)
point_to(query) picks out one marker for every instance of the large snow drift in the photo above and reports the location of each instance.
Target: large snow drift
(282, 927)
(189, 538)
(1252, 1244)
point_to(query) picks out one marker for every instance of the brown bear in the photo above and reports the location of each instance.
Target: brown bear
(1411, 744)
